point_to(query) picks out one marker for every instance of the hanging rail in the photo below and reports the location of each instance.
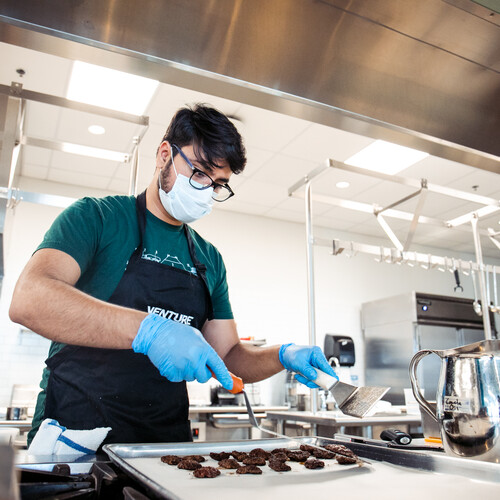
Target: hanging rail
(401, 251)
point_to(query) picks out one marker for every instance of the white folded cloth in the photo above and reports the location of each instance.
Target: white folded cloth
(55, 439)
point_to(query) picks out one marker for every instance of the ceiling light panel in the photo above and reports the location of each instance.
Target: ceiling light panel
(110, 89)
(386, 157)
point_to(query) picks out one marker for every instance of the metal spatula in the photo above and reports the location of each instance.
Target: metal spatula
(352, 400)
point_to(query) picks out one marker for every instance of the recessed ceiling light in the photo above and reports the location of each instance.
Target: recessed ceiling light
(96, 129)
(342, 184)
(110, 89)
(385, 157)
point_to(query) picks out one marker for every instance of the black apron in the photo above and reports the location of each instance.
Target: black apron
(90, 387)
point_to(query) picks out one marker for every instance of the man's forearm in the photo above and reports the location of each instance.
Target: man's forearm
(253, 363)
(60, 312)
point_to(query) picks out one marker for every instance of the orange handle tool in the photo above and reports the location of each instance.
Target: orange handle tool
(237, 382)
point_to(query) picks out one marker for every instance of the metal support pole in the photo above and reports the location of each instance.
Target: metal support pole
(134, 172)
(485, 307)
(310, 283)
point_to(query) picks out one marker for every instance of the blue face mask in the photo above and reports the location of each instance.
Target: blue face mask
(183, 202)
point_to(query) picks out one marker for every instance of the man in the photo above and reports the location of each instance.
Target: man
(136, 302)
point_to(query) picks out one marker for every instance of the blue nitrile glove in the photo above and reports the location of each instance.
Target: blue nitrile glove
(302, 359)
(179, 351)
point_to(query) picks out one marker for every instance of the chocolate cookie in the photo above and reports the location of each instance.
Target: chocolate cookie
(170, 459)
(279, 450)
(206, 472)
(196, 458)
(254, 461)
(323, 454)
(187, 464)
(229, 463)
(259, 452)
(340, 449)
(248, 469)
(298, 456)
(278, 465)
(343, 460)
(313, 463)
(307, 447)
(239, 455)
(219, 456)
(279, 456)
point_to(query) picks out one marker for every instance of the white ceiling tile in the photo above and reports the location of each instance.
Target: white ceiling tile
(73, 127)
(36, 156)
(441, 207)
(269, 130)
(168, 99)
(325, 183)
(384, 194)
(78, 178)
(44, 72)
(283, 170)
(488, 183)
(436, 170)
(41, 120)
(319, 142)
(34, 171)
(83, 164)
(256, 158)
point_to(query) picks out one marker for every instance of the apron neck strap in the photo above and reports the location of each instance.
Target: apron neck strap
(140, 205)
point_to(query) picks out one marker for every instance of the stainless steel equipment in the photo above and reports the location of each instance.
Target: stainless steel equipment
(467, 399)
(396, 328)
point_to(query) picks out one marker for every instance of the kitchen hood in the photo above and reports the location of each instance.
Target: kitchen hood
(422, 74)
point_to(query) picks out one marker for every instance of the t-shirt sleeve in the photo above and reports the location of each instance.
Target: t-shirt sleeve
(220, 294)
(76, 231)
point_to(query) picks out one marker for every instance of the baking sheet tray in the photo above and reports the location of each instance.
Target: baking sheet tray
(388, 475)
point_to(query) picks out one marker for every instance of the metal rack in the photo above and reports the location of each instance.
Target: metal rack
(400, 253)
(14, 138)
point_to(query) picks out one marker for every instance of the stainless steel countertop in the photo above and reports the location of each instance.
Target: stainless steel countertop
(337, 418)
(22, 425)
(235, 409)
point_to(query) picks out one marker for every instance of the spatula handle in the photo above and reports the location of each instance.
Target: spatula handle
(324, 380)
(238, 385)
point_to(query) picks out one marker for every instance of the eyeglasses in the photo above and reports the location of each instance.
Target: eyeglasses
(200, 180)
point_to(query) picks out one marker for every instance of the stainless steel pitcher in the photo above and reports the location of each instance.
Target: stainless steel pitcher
(467, 399)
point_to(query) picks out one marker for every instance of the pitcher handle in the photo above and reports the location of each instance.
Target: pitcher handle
(414, 383)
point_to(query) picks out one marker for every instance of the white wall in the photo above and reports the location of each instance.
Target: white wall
(267, 274)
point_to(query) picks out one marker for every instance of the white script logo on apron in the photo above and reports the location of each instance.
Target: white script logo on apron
(168, 314)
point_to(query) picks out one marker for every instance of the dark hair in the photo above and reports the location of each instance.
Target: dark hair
(212, 135)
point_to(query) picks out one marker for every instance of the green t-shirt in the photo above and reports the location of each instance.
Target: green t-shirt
(102, 233)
